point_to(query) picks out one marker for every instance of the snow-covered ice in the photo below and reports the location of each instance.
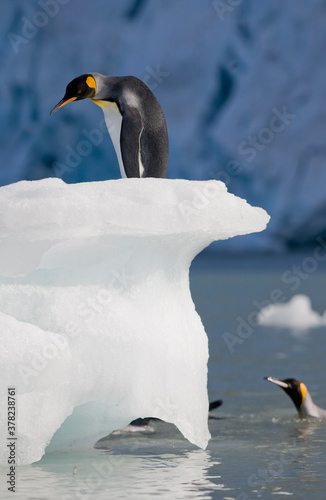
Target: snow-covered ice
(296, 314)
(97, 322)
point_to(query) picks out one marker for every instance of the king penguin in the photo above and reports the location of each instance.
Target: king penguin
(144, 425)
(300, 396)
(133, 117)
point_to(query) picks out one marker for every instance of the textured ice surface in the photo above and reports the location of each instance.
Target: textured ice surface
(296, 314)
(97, 322)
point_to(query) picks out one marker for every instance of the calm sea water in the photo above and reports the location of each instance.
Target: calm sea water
(259, 448)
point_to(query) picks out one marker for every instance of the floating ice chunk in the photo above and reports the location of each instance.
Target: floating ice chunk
(296, 314)
(97, 322)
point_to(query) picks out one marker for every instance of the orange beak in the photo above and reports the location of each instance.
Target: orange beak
(62, 103)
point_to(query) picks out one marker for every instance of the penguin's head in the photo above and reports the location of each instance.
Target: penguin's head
(293, 388)
(80, 88)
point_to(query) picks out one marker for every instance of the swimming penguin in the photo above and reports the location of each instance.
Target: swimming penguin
(133, 117)
(300, 396)
(145, 422)
(144, 425)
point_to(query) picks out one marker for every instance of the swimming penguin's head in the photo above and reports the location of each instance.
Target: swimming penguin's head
(80, 88)
(293, 388)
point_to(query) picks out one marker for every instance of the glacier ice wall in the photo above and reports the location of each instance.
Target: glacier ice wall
(97, 322)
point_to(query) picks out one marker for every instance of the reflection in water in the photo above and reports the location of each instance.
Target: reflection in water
(89, 475)
(246, 456)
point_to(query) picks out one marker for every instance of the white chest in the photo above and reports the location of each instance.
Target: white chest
(113, 120)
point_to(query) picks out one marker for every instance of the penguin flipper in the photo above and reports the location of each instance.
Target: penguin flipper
(131, 129)
(215, 404)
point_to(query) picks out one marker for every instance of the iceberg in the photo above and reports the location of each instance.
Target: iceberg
(98, 326)
(296, 314)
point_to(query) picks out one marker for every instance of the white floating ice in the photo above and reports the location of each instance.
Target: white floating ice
(296, 314)
(97, 322)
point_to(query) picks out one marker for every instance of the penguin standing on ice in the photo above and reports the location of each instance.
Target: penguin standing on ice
(300, 396)
(134, 119)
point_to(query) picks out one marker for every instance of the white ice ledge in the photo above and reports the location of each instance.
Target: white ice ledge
(97, 322)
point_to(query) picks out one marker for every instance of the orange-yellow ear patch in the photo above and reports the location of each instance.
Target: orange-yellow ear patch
(303, 390)
(91, 82)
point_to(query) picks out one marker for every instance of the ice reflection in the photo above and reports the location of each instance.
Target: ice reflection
(191, 474)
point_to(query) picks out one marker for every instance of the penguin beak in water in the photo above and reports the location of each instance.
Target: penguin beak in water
(277, 381)
(62, 103)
